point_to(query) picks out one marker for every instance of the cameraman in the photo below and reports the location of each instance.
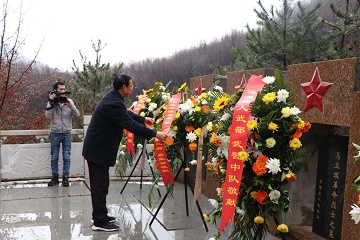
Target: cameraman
(60, 110)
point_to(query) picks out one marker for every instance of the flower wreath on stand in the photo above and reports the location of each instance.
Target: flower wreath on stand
(355, 212)
(271, 159)
(153, 104)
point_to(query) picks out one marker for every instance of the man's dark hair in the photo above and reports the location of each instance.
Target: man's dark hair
(57, 84)
(120, 80)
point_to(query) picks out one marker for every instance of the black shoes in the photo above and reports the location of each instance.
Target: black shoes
(106, 227)
(110, 220)
(65, 181)
(54, 180)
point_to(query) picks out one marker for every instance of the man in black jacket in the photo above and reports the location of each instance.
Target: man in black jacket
(102, 140)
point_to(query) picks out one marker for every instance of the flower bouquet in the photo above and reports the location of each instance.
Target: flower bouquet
(355, 212)
(271, 159)
(151, 104)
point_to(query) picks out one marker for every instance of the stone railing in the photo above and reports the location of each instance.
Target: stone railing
(32, 161)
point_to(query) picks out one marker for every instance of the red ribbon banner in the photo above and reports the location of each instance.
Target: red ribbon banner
(238, 139)
(129, 135)
(159, 146)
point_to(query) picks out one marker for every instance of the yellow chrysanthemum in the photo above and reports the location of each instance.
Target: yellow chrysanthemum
(301, 124)
(253, 194)
(186, 169)
(259, 220)
(203, 96)
(220, 103)
(269, 97)
(206, 217)
(283, 228)
(197, 131)
(285, 112)
(244, 156)
(177, 115)
(175, 128)
(180, 89)
(147, 92)
(159, 120)
(197, 109)
(252, 124)
(295, 143)
(273, 126)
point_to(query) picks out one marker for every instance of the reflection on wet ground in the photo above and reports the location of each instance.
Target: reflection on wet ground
(36, 211)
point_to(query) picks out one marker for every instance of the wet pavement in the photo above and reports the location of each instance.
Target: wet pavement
(35, 211)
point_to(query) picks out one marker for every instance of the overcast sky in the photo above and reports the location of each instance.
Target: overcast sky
(131, 29)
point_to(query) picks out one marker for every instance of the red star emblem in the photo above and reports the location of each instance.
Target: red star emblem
(199, 89)
(242, 83)
(315, 91)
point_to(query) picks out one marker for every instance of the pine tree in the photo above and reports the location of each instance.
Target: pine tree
(93, 80)
(345, 32)
(285, 36)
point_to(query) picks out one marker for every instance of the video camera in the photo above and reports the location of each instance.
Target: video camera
(58, 98)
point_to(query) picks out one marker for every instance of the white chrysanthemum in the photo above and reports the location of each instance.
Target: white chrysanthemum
(282, 95)
(152, 107)
(274, 195)
(162, 88)
(218, 88)
(285, 112)
(188, 106)
(193, 162)
(268, 80)
(204, 102)
(209, 126)
(148, 100)
(239, 211)
(294, 111)
(139, 146)
(191, 136)
(355, 213)
(273, 164)
(142, 114)
(165, 97)
(214, 203)
(224, 140)
(225, 117)
(171, 133)
(214, 160)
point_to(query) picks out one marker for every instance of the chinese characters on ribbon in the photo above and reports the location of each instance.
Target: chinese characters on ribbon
(159, 146)
(238, 140)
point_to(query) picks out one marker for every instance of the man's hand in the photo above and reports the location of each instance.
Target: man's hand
(149, 121)
(52, 96)
(161, 135)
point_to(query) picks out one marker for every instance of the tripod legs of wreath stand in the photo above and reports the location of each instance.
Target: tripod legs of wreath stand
(141, 176)
(186, 182)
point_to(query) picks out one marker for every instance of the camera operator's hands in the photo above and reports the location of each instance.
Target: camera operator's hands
(69, 102)
(52, 96)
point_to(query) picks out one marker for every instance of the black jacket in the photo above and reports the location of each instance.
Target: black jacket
(105, 131)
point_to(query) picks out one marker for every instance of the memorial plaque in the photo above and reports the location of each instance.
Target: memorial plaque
(330, 185)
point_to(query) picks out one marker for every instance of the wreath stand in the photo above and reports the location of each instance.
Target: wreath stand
(186, 183)
(141, 172)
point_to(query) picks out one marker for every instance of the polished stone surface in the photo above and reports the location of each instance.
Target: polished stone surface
(36, 211)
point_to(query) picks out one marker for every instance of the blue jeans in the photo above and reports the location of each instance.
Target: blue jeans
(65, 140)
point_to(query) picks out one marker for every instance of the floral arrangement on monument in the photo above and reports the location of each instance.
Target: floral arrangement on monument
(355, 212)
(271, 159)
